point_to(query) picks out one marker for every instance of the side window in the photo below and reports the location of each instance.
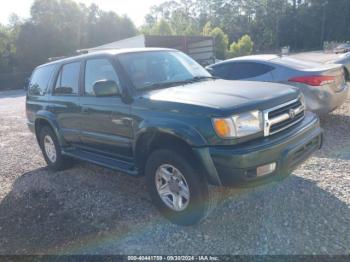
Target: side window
(221, 71)
(68, 80)
(98, 70)
(40, 80)
(244, 70)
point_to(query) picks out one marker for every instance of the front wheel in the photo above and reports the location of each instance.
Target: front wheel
(176, 188)
(52, 150)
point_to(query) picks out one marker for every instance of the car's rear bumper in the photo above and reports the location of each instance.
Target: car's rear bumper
(323, 100)
(237, 165)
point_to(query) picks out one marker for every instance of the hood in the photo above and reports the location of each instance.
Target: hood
(227, 95)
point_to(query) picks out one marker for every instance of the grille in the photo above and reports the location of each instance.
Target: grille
(284, 116)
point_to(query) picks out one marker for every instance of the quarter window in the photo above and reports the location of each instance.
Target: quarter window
(68, 80)
(98, 70)
(40, 80)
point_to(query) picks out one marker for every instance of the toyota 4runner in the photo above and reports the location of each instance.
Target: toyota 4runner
(157, 113)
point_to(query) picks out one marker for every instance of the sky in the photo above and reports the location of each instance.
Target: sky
(135, 9)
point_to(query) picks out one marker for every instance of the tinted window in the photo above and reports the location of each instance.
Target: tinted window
(40, 80)
(97, 70)
(241, 70)
(68, 80)
(221, 71)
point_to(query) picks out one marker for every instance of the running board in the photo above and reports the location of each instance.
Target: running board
(105, 161)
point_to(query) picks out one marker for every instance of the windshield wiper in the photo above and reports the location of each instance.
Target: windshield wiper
(167, 84)
(174, 83)
(199, 78)
(155, 85)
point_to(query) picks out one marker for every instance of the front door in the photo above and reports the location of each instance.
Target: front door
(106, 126)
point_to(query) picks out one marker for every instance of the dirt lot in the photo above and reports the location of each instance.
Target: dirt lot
(92, 210)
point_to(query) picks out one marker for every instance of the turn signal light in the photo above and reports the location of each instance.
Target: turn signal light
(222, 127)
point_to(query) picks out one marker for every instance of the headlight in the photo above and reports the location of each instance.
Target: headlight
(239, 125)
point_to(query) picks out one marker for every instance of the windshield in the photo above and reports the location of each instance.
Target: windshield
(161, 68)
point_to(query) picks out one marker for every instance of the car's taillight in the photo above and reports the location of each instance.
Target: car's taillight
(313, 80)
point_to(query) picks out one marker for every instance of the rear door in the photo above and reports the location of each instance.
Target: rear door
(105, 121)
(37, 94)
(64, 101)
(238, 70)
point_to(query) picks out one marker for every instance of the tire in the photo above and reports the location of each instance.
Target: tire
(164, 161)
(50, 147)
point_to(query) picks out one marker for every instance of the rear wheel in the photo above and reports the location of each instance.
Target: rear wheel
(52, 150)
(176, 188)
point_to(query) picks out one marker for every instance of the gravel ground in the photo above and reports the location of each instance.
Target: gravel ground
(92, 210)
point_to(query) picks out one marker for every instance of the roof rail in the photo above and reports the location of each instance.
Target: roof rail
(51, 59)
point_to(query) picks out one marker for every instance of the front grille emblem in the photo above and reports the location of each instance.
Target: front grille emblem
(291, 113)
(283, 116)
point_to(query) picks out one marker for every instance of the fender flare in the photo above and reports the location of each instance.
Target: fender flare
(177, 129)
(51, 120)
(186, 133)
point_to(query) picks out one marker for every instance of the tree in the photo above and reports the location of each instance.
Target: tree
(244, 46)
(7, 49)
(207, 28)
(301, 24)
(60, 27)
(162, 28)
(221, 40)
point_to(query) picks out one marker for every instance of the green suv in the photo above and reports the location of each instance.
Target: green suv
(159, 114)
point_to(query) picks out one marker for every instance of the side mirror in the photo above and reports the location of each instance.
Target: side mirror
(105, 88)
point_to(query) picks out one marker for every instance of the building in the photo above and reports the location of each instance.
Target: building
(200, 48)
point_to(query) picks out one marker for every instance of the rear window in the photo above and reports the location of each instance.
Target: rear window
(241, 70)
(40, 80)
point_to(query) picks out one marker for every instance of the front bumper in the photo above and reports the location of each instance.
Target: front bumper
(31, 127)
(237, 165)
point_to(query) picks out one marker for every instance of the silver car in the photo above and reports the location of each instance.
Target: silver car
(344, 60)
(323, 85)
(343, 48)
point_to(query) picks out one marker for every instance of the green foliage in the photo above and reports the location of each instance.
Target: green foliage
(162, 28)
(7, 49)
(221, 41)
(301, 24)
(183, 24)
(60, 27)
(207, 28)
(244, 46)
